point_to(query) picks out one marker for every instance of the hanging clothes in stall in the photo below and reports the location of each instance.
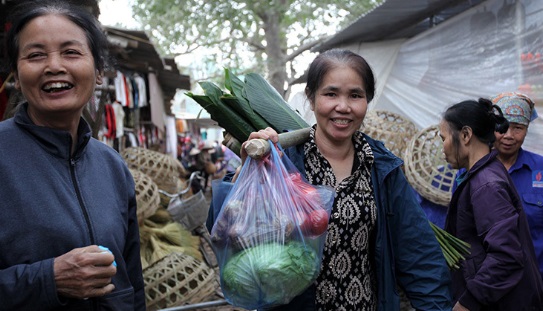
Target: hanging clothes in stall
(110, 122)
(119, 119)
(120, 88)
(142, 90)
(156, 101)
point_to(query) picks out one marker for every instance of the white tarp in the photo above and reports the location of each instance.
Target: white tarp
(494, 47)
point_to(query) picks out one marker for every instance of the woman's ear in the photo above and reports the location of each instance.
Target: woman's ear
(98, 77)
(466, 133)
(311, 105)
(16, 79)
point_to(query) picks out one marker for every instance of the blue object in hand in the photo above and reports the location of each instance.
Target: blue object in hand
(107, 249)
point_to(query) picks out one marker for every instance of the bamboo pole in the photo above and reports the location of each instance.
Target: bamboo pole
(256, 148)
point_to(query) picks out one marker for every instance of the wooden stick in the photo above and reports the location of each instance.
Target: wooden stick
(257, 148)
(231, 143)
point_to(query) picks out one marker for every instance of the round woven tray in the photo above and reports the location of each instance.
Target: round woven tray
(392, 129)
(164, 169)
(147, 195)
(426, 169)
(176, 280)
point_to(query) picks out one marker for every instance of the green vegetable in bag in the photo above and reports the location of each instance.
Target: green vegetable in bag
(269, 273)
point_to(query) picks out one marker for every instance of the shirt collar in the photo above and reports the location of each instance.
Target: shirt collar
(364, 154)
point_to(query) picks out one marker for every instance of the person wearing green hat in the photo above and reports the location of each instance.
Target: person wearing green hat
(524, 167)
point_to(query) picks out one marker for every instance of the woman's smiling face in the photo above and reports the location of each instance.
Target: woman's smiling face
(55, 70)
(340, 103)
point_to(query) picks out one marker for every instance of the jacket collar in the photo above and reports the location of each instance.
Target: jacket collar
(386, 159)
(523, 159)
(55, 142)
(476, 167)
(483, 161)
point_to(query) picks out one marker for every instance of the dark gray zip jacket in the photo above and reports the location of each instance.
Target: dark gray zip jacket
(51, 203)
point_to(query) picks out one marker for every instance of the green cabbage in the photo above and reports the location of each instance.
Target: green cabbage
(269, 274)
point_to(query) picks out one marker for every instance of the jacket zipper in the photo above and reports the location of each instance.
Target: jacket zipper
(85, 213)
(80, 199)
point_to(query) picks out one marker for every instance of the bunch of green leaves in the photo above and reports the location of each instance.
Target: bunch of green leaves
(247, 106)
(452, 247)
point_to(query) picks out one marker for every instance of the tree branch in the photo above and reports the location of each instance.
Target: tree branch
(255, 44)
(305, 47)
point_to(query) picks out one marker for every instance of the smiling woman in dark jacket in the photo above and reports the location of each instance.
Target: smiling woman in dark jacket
(378, 236)
(69, 233)
(485, 210)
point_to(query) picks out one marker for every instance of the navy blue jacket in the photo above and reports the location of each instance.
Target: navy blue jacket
(406, 250)
(501, 272)
(51, 203)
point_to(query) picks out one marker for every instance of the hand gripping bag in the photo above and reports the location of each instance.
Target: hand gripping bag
(269, 234)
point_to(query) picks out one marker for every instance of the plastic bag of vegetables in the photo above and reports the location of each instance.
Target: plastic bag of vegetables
(270, 233)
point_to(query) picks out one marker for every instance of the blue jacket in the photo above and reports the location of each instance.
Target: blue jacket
(51, 203)
(406, 250)
(527, 174)
(501, 272)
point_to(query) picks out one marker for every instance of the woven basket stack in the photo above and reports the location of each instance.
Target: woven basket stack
(147, 195)
(178, 279)
(426, 168)
(392, 129)
(174, 269)
(163, 169)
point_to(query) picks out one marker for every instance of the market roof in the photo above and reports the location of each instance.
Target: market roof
(133, 50)
(395, 19)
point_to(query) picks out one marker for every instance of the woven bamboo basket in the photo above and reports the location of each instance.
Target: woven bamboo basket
(147, 195)
(426, 169)
(392, 129)
(164, 169)
(178, 279)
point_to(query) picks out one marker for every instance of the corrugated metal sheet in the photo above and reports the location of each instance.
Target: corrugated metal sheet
(395, 19)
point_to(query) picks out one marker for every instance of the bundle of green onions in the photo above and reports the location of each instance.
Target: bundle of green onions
(452, 247)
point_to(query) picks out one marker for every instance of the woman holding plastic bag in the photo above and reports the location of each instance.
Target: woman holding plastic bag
(270, 232)
(378, 237)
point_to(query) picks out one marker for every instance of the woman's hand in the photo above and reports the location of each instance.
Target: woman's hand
(267, 133)
(84, 272)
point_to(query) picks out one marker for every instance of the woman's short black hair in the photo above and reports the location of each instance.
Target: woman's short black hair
(327, 60)
(26, 11)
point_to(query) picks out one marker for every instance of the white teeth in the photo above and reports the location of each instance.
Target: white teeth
(56, 85)
(341, 121)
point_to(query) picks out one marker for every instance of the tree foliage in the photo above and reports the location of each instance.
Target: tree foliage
(269, 37)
